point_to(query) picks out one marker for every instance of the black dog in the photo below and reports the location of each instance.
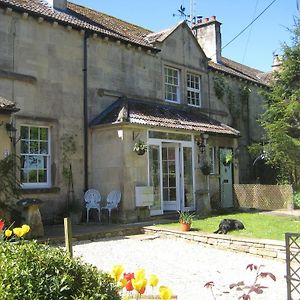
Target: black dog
(228, 225)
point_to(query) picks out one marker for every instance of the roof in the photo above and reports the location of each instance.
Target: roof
(80, 17)
(7, 106)
(160, 115)
(233, 68)
(84, 18)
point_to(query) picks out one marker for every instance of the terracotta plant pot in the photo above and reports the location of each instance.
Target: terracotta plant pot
(185, 226)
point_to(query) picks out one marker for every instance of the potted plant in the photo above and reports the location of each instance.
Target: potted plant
(205, 168)
(140, 147)
(185, 220)
(227, 159)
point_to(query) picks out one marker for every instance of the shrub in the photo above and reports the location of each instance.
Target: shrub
(296, 199)
(35, 271)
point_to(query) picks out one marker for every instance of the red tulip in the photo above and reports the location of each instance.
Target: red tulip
(129, 286)
(128, 276)
(1, 225)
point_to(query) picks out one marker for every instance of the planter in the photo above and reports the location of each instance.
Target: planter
(185, 226)
(141, 151)
(205, 170)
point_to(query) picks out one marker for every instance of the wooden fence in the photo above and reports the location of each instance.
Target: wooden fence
(269, 197)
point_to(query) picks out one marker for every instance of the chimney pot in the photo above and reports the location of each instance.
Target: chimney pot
(213, 18)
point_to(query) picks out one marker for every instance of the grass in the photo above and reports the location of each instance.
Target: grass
(260, 226)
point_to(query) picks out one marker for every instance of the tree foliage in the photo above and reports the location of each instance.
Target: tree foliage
(281, 119)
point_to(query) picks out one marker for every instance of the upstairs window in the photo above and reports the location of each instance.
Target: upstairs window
(35, 157)
(172, 92)
(193, 90)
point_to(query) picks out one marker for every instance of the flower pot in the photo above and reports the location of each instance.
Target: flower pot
(205, 171)
(141, 152)
(185, 226)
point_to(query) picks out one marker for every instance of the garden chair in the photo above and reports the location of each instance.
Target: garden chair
(92, 199)
(112, 201)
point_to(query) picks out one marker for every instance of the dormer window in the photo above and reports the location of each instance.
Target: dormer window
(193, 90)
(172, 84)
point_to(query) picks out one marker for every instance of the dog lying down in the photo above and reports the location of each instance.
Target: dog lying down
(229, 225)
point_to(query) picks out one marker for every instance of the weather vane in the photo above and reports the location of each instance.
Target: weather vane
(190, 18)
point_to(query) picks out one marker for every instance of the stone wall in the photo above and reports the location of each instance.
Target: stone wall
(263, 248)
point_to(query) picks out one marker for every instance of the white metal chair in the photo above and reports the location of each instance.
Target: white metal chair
(92, 199)
(112, 201)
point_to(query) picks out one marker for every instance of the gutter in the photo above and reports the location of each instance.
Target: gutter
(85, 112)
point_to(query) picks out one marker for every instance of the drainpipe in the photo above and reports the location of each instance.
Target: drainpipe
(85, 112)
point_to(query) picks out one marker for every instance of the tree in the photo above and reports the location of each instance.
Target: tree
(281, 120)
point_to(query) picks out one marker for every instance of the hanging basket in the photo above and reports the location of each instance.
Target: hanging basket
(140, 151)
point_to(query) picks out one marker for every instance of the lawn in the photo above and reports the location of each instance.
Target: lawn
(257, 225)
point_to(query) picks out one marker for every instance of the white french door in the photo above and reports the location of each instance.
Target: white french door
(171, 175)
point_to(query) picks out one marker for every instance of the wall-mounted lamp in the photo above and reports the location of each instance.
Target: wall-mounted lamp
(11, 130)
(202, 142)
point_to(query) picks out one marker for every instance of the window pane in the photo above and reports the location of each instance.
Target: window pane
(43, 147)
(34, 147)
(32, 176)
(24, 132)
(24, 147)
(44, 134)
(42, 176)
(34, 133)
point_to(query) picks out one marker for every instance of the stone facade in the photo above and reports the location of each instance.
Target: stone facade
(63, 77)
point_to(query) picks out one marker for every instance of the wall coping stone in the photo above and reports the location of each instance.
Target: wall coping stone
(260, 247)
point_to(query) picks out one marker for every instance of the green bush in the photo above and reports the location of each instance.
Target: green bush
(35, 271)
(296, 199)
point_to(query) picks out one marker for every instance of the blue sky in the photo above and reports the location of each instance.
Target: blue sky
(254, 47)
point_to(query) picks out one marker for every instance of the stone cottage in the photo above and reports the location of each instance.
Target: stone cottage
(90, 87)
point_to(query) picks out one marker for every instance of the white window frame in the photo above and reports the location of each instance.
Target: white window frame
(47, 167)
(191, 89)
(170, 83)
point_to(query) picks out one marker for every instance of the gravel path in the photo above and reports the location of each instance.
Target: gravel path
(183, 266)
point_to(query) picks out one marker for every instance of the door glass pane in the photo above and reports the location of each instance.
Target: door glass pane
(188, 177)
(169, 173)
(154, 173)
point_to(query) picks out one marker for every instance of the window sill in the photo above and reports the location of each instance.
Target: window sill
(49, 190)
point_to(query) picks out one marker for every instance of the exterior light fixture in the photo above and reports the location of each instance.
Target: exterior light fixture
(11, 130)
(202, 142)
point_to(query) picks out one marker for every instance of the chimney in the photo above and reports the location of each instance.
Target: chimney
(276, 62)
(57, 4)
(208, 33)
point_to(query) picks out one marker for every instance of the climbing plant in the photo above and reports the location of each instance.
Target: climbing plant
(9, 183)
(68, 148)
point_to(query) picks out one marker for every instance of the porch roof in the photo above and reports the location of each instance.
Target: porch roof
(154, 114)
(7, 106)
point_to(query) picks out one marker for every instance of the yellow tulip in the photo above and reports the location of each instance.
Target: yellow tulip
(25, 228)
(122, 282)
(165, 293)
(139, 285)
(18, 231)
(153, 280)
(140, 274)
(8, 233)
(126, 298)
(116, 272)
